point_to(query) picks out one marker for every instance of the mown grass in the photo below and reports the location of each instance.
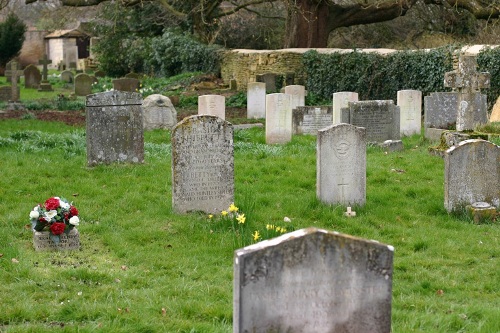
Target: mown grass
(143, 268)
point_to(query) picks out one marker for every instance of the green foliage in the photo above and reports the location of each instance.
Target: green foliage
(11, 38)
(238, 100)
(488, 60)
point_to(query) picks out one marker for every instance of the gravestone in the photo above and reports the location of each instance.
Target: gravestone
(32, 77)
(7, 74)
(472, 174)
(202, 164)
(6, 93)
(67, 76)
(310, 119)
(70, 241)
(14, 73)
(126, 84)
(379, 118)
(341, 100)
(99, 74)
(468, 82)
(45, 84)
(410, 105)
(341, 165)
(297, 95)
(70, 56)
(440, 110)
(270, 80)
(83, 84)
(256, 100)
(114, 128)
(158, 112)
(213, 105)
(278, 118)
(133, 76)
(313, 281)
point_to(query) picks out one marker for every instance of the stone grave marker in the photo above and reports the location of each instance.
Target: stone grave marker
(99, 74)
(202, 164)
(471, 174)
(83, 84)
(158, 112)
(440, 110)
(67, 76)
(114, 128)
(7, 74)
(70, 241)
(341, 165)
(133, 76)
(278, 118)
(214, 105)
(256, 100)
(270, 80)
(310, 119)
(45, 84)
(313, 280)
(297, 95)
(341, 100)
(14, 73)
(6, 93)
(380, 119)
(410, 105)
(32, 77)
(126, 84)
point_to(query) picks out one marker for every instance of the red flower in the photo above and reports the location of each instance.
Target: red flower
(57, 228)
(73, 211)
(52, 204)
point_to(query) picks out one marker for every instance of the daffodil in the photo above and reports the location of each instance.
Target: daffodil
(256, 235)
(223, 213)
(241, 218)
(233, 208)
(278, 229)
(210, 216)
(269, 227)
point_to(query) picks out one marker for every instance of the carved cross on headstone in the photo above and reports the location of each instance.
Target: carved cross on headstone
(468, 82)
(349, 212)
(45, 85)
(14, 74)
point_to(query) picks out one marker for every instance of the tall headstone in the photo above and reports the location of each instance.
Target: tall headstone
(410, 105)
(297, 95)
(70, 56)
(256, 100)
(214, 105)
(32, 77)
(341, 165)
(126, 84)
(202, 164)
(313, 280)
(114, 128)
(471, 174)
(380, 118)
(310, 119)
(45, 84)
(278, 118)
(341, 100)
(158, 112)
(14, 73)
(468, 82)
(83, 84)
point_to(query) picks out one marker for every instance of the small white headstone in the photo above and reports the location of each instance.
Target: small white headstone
(410, 105)
(256, 100)
(278, 118)
(213, 105)
(297, 95)
(341, 100)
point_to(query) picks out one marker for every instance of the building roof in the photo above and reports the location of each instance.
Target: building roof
(66, 34)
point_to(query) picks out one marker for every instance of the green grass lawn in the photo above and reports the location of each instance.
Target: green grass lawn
(143, 268)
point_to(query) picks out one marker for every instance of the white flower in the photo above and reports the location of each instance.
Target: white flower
(34, 214)
(36, 208)
(74, 220)
(287, 219)
(64, 205)
(50, 214)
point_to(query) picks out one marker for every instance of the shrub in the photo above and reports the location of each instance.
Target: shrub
(11, 38)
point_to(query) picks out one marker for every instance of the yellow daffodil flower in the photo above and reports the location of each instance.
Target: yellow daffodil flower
(210, 216)
(256, 235)
(233, 208)
(269, 227)
(241, 218)
(223, 213)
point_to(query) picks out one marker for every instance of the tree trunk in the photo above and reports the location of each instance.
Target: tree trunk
(307, 24)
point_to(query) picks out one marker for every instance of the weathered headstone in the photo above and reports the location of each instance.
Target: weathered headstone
(341, 165)
(8, 67)
(14, 73)
(83, 84)
(341, 100)
(410, 105)
(472, 174)
(468, 82)
(6, 93)
(158, 112)
(114, 128)
(310, 119)
(297, 95)
(70, 56)
(278, 118)
(380, 118)
(133, 76)
(214, 105)
(67, 76)
(70, 241)
(270, 80)
(45, 84)
(202, 164)
(313, 280)
(32, 77)
(440, 110)
(99, 74)
(256, 100)
(126, 84)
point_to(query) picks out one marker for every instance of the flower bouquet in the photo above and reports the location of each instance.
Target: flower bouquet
(56, 215)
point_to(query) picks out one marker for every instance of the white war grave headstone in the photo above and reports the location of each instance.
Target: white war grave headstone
(310, 119)
(213, 105)
(202, 164)
(256, 100)
(410, 105)
(340, 100)
(341, 165)
(297, 95)
(158, 112)
(278, 118)
(313, 281)
(114, 128)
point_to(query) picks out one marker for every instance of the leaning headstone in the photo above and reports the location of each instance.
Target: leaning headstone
(278, 118)
(126, 84)
(32, 77)
(471, 174)
(380, 118)
(67, 76)
(310, 119)
(297, 95)
(270, 80)
(341, 100)
(158, 112)
(214, 105)
(410, 105)
(114, 128)
(45, 84)
(341, 165)
(256, 100)
(313, 280)
(83, 84)
(69, 241)
(202, 164)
